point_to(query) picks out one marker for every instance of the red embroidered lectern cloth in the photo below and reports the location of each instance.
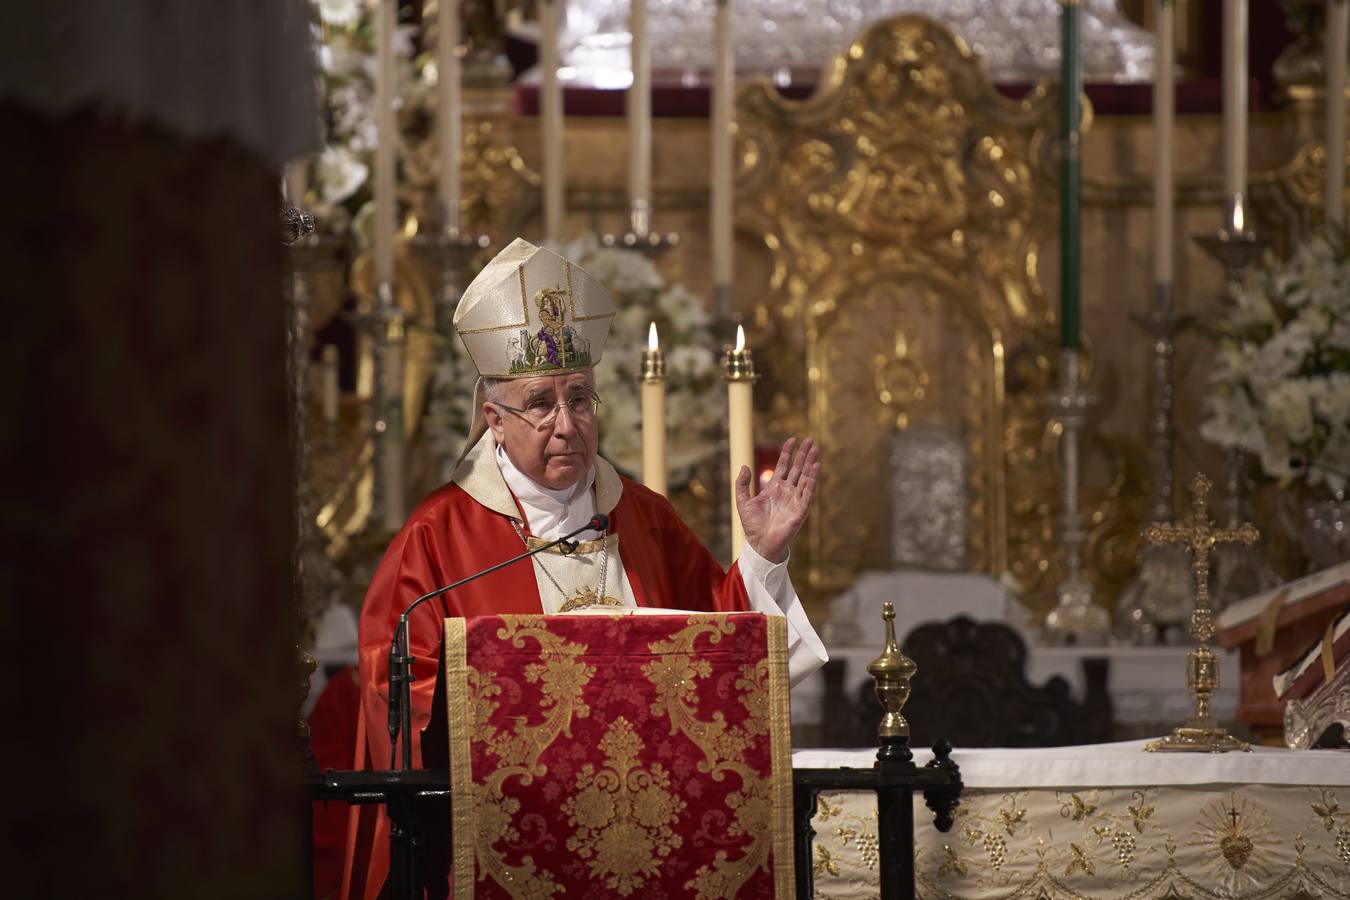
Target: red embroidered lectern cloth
(620, 756)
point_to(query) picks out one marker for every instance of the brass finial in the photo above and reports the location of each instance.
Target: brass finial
(892, 672)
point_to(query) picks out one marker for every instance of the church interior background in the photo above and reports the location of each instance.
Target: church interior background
(1060, 287)
(1014, 364)
(897, 259)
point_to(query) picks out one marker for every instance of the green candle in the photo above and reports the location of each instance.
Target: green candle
(1071, 89)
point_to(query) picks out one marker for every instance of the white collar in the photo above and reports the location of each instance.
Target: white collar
(479, 474)
(532, 493)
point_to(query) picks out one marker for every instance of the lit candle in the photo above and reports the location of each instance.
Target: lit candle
(654, 415)
(1336, 49)
(328, 383)
(386, 146)
(449, 110)
(739, 371)
(551, 120)
(723, 187)
(1164, 117)
(640, 122)
(1234, 97)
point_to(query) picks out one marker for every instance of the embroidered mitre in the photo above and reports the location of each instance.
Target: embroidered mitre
(531, 312)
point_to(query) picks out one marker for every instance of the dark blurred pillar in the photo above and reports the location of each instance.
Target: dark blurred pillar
(145, 521)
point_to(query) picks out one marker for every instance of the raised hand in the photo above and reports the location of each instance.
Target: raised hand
(772, 518)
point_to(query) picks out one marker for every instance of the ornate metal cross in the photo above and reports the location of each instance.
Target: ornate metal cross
(1199, 537)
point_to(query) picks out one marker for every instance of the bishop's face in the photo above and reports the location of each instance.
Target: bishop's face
(547, 426)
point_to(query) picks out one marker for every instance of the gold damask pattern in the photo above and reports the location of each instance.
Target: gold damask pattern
(1243, 842)
(904, 206)
(623, 817)
(623, 814)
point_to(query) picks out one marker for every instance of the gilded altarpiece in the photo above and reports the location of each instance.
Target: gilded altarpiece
(903, 207)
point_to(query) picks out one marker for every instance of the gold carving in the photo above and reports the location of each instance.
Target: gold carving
(904, 206)
(623, 813)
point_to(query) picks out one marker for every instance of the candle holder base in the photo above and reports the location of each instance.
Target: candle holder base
(447, 255)
(1235, 250)
(651, 244)
(1198, 738)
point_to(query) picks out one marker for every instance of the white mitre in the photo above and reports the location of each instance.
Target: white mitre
(530, 312)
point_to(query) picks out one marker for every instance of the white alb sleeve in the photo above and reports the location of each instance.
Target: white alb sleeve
(771, 592)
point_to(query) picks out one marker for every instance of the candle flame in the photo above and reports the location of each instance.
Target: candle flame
(1238, 218)
(740, 337)
(651, 337)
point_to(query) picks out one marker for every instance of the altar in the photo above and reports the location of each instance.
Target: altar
(1106, 821)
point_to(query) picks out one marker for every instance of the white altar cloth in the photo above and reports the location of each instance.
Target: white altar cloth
(1105, 822)
(1113, 765)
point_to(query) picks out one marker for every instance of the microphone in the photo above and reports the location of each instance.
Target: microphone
(400, 658)
(1299, 463)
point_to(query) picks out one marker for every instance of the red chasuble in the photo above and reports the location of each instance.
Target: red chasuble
(613, 756)
(465, 527)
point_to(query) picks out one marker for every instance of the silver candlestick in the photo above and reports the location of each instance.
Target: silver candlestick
(1238, 570)
(1076, 620)
(1156, 604)
(639, 236)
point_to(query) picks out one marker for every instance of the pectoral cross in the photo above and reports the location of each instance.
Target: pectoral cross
(1199, 536)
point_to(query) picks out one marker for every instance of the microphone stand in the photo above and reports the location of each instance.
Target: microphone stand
(402, 861)
(400, 658)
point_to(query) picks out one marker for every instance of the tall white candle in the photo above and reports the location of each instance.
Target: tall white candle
(1336, 38)
(740, 429)
(450, 108)
(394, 448)
(653, 377)
(640, 121)
(328, 383)
(386, 147)
(723, 187)
(297, 181)
(551, 119)
(1234, 97)
(1164, 117)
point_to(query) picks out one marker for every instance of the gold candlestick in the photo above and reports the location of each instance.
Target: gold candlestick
(738, 368)
(1201, 732)
(653, 377)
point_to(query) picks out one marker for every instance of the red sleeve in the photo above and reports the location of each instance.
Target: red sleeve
(667, 564)
(448, 537)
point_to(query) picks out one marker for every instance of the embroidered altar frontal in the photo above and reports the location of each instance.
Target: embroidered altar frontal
(620, 756)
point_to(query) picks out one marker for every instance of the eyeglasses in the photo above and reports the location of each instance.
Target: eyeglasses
(542, 414)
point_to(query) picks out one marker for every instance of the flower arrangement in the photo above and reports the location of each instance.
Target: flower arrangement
(340, 177)
(695, 397)
(1282, 388)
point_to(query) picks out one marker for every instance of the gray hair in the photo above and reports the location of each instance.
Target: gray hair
(494, 388)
